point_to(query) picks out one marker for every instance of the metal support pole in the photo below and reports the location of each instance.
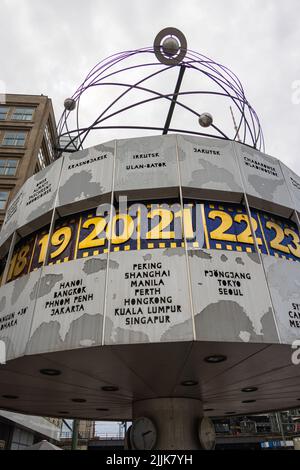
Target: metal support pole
(279, 422)
(75, 434)
(173, 103)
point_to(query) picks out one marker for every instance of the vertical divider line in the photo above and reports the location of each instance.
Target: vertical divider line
(254, 235)
(9, 258)
(77, 237)
(292, 198)
(245, 200)
(109, 245)
(41, 269)
(53, 215)
(263, 233)
(51, 230)
(138, 229)
(185, 243)
(205, 226)
(257, 249)
(297, 218)
(32, 254)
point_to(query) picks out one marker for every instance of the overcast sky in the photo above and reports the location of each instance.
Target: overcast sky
(49, 46)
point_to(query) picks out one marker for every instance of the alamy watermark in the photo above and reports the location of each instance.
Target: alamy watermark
(2, 92)
(296, 92)
(296, 353)
(2, 352)
(163, 216)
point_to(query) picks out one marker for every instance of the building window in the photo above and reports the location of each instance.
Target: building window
(3, 112)
(21, 439)
(65, 142)
(14, 139)
(41, 159)
(23, 114)
(49, 143)
(3, 199)
(8, 167)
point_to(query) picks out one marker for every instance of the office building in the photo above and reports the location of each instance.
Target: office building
(27, 142)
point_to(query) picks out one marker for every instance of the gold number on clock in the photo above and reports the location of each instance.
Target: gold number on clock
(21, 261)
(43, 243)
(12, 267)
(93, 240)
(246, 235)
(188, 223)
(226, 223)
(61, 238)
(158, 232)
(295, 250)
(276, 243)
(128, 228)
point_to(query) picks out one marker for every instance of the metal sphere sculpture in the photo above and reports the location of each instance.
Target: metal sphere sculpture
(170, 46)
(169, 52)
(205, 120)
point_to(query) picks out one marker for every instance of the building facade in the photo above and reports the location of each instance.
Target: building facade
(27, 145)
(258, 431)
(17, 431)
(86, 433)
(27, 142)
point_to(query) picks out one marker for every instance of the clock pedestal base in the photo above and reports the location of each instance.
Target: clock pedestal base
(176, 421)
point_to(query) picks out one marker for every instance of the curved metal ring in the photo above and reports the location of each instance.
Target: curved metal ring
(106, 73)
(157, 46)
